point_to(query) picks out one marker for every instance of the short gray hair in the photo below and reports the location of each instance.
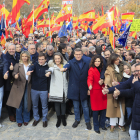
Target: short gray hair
(11, 44)
(91, 48)
(31, 45)
(50, 48)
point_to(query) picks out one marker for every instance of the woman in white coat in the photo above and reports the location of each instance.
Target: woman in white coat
(58, 87)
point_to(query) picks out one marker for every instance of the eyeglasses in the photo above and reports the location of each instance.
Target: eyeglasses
(137, 71)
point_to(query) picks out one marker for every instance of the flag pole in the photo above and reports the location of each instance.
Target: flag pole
(4, 12)
(33, 20)
(49, 25)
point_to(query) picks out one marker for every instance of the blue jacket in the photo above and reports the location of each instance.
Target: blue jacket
(136, 107)
(86, 58)
(39, 81)
(10, 59)
(34, 57)
(77, 88)
(3, 69)
(125, 85)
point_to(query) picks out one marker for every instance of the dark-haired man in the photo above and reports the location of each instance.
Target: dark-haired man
(77, 88)
(39, 88)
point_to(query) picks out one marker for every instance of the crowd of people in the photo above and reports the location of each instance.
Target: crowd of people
(80, 70)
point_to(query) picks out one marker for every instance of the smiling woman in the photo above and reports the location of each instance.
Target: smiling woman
(22, 85)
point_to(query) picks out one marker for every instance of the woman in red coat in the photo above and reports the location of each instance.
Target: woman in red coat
(97, 99)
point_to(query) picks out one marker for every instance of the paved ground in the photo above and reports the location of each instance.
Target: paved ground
(10, 131)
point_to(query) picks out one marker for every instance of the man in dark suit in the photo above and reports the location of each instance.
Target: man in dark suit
(77, 88)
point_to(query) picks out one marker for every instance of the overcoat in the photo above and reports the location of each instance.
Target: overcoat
(77, 87)
(97, 99)
(18, 88)
(113, 105)
(58, 85)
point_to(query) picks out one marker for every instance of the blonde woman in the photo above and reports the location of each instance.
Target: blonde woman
(20, 93)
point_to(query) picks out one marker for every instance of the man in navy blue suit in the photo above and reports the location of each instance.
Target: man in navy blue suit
(77, 88)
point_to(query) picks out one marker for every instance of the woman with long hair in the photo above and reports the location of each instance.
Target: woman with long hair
(115, 107)
(97, 99)
(58, 88)
(20, 97)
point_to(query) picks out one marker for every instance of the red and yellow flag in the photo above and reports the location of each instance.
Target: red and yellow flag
(88, 16)
(44, 23)
(43, 7)
(52, 20)
(104, 22)
(3, 40)
(64, 14)
(15, 11)
(128, 17)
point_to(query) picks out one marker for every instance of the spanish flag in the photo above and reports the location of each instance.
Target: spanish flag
(43, 24)
(64, 14)
(52, 20)
(75, 19)
(111, 38)
(3, 40)
(88, 16)
(104, 22)
(128, 17)
(15, 11)
(5, 12)
(43, 7)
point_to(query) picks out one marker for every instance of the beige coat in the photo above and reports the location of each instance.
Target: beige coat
(18, 88)
(113, 105)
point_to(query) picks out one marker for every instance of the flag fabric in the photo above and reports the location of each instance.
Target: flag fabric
(123, 37)
(3, 40)
(11, 35)
(70, 26)
(15, 10)
(52, 20)
(44, 23)
(2, 22)
(43, 7)
(88, 16)
(64, 14)
(104, 22)
(111, 38)
(75, 19)
(4, 11)
(133, 34)
(88, 31)
(123, 27)
(128, 16)
(6, 33)
(14, 4)
(63, 30)
(102, 11)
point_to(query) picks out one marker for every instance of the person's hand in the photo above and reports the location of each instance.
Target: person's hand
(114, 83)
(135, 79)
(88, 93)
(16, 76)
(29, 72)
(63, 69)
(48, 74)
(105, 90)
(11, 66)
(101, 81)
(116, 93)
(6, 75)
(90, 87)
